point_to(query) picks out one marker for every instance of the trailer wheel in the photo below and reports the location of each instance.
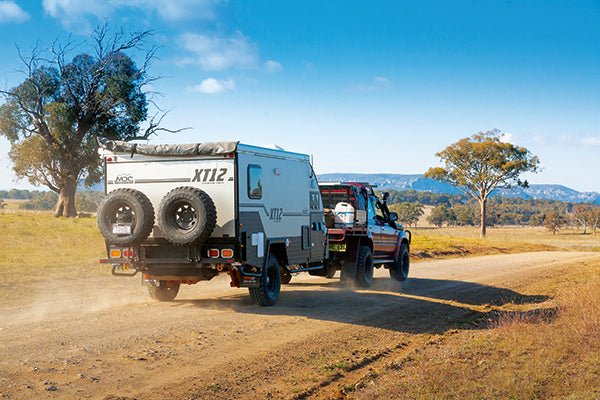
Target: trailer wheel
(270, 284)
(399, 269)
(125, 217)
(364, 267)
(163, 290)
(187, 215)
(286, 277)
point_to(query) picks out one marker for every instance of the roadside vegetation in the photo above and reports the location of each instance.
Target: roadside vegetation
(515, 351)
(35, 246)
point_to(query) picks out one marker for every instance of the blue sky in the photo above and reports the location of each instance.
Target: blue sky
(376, 86)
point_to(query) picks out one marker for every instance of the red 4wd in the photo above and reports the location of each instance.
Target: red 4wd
(362, 234)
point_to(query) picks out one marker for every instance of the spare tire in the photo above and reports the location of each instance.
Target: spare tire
(187, 215)
(125, 217)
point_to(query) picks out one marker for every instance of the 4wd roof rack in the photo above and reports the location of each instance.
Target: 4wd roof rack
(365, 184)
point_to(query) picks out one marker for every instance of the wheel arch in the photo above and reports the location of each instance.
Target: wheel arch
(279, 250)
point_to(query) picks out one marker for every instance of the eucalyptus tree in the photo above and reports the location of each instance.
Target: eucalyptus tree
(71, 95)
(481, 163)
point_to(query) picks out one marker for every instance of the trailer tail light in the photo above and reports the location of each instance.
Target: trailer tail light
(227, 253)
(214, 253)
(128, 253)
(115, 253)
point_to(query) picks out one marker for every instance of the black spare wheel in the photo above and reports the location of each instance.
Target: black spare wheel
(187, 215)
(125, 217)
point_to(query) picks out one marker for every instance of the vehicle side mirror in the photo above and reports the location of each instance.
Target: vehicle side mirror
(393, 216)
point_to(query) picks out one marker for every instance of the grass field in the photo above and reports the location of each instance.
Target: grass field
(465, 241)
(547, 350)
(35, 246)
(12, 204)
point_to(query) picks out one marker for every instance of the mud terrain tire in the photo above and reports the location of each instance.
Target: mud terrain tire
(187, 215)
(331, 270)
(364, 267)
(399, 269)
(267, 293)
(163, 290)
(127, 206)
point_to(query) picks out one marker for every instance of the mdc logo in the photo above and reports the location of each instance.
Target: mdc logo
(124, 179)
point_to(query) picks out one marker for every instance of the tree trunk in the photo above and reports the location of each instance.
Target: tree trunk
(66, 200)
(483, 202)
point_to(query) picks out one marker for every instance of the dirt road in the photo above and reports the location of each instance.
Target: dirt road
(105, 339)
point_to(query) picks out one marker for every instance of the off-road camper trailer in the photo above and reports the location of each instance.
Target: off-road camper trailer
(184, 213)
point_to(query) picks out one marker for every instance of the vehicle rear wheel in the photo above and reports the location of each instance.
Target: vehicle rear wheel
(187, 215)
(267, 293)
(399, 269)
(163, 290)
(364, 267)
(125, 217)
(331, 270)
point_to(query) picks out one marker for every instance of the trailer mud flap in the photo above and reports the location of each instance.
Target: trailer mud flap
(245, 276)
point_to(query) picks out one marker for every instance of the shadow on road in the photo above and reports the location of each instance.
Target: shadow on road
(416, 306)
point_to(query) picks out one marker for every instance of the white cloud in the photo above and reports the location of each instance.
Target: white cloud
(213, 53)
(214, 86)
(378, 83)
(591, 141)
(73, 13)
(11, 12)
(272, 66)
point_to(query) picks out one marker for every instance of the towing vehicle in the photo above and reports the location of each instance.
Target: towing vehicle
(362, 234)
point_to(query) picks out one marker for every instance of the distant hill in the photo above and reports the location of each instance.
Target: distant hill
(418, 183)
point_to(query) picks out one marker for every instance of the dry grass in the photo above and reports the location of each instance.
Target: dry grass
(12, 204)
(457, 241)
(36, 246)
(465, 241)
(548, 350)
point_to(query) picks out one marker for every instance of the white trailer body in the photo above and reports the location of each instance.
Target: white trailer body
(267, 205)
(155, 176)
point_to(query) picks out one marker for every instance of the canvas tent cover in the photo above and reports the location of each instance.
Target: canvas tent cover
(192, 149)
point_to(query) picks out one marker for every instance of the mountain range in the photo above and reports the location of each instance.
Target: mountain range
(419, 183)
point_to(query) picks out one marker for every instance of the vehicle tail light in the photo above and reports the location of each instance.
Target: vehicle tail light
(213, 253)
(227, 253)
(115, 253)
